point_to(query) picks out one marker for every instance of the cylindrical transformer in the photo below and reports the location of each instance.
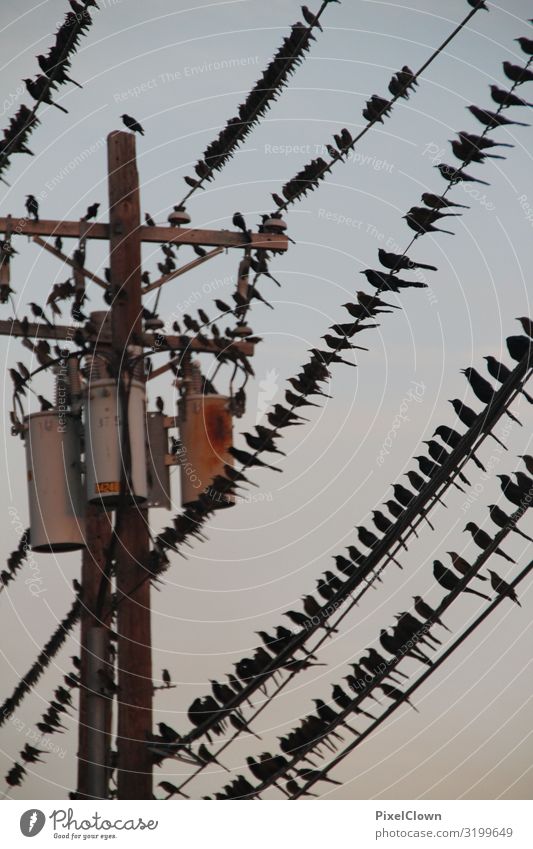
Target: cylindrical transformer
(55, 491)
(205, 427)
(104, 448)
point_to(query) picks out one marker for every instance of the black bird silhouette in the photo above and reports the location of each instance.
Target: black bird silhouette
(440, 455)
(452, 438)
(502, 587)
(526, 44)
(520, 347)
(482, 539)
(493, 119)
(166, 677)
(440, 202)
(396, 695)
(514, 493)
(482, 389)
(92, 212)
(468, 417)
(426, 612)
(38, 312)
(132, 124)
(149, 220)
(527, 325)
(517, 73)
(502, 520)
(238, 221)
(32, 207)
(506, 98)
(447, 579)
(399, 262)
(39, 89)
(500, 372)
(462, 565)
(390, 281)
(455, 175)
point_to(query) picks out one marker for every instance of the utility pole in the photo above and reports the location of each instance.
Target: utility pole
(128, 541)
(135, 687)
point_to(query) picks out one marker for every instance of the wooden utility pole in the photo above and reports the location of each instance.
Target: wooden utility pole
(129, 544)
(97, 534)
(134, 765)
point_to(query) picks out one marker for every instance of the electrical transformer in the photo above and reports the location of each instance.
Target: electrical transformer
(55, 491)
(105, 452)
(205, 425)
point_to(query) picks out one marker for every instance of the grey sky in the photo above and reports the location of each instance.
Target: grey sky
(471, 736)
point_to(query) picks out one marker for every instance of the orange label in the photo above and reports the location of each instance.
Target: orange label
(108, 487)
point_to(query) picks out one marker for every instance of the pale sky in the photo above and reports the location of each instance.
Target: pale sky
(471, 737)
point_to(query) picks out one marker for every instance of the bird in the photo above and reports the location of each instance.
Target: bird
(426, 612)
(527, 325)
(440, 202)
(399, 262)
(167, 732)
(132, 124)
(526, 44)
(512, 491)
(396, 695)
(493, 119)
(423, 227)
(468, 417)
(454, 175)
(38, 312)
(239, 222)
(92, 212)
(170, 789)
(500, 372)
(506, 98)
(39, 89)
(482, 389)
(452, 438)
(45, 405)
(517, 73)
(32, 207)
(446, 578)
(149, 220)
(440, 456)
(165, 675)
(483, 540)
(461, 565)
(519, 347)
(160, 404)
(316, 775)
(502, 520)
(502, 587)
(527, 458)
(390, 281)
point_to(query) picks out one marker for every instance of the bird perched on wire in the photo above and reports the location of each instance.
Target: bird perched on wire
(38, 312)
(514, 493)
(452, 438)
(506, 98)
(468, 417)
(239, 222)
(396, 695)
(32, 207)
(440, 202)
(526, 44)
(483, 390)
(165, 675)
(467, 152)
(517, 73)
(426, 612)
(390, 281)
(502, 587)
(39, 89)
(483, 540)
(447, 579)
(462, 565)
(500, 372)
(92, 212)
(520, 347)
(493, 119)
(502, 520)
(248, 459)
(399, 262)
(132, 124)
(455, 175)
